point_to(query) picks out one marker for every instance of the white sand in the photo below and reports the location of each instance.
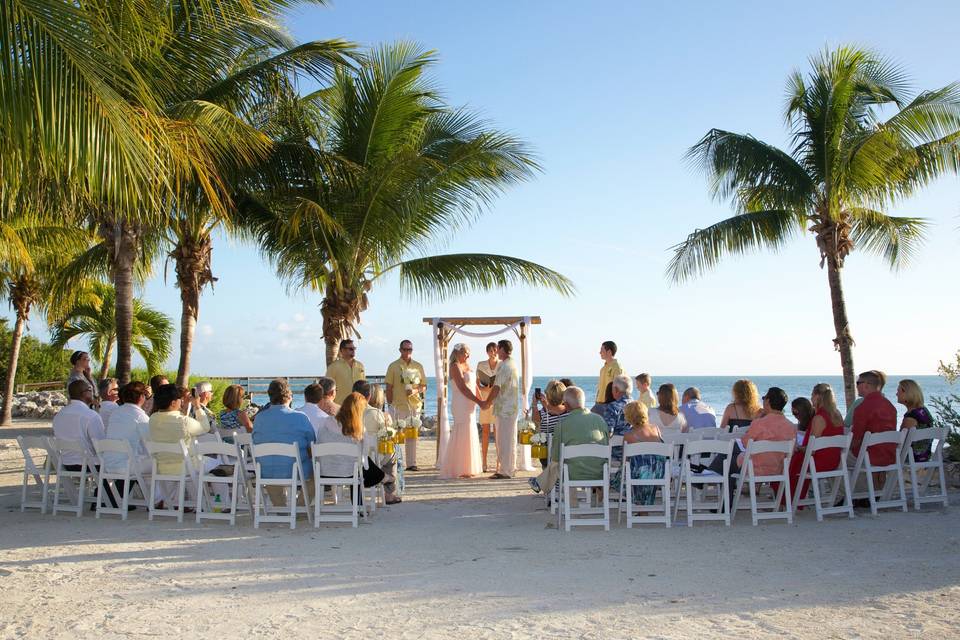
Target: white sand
(472, 559)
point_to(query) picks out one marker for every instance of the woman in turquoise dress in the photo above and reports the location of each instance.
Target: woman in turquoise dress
(645, 467)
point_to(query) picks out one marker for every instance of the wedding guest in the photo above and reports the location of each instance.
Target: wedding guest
(744, 408)
(505, 398)
(350, 419)
(79, 423)
(579, 427)
(698, 414)
(803, 412)
(567, 382)
(156, 382)
(848, 418)
(345, 370)
(644, 380)
(130, 423)
(329, 389)
(610, 370)
(406, 384)
(80, 361)
(645, 467)
(204, 392)
(374, 417)
(910, 395)
(600, 408)
(234, 417)
(486, 371)
(169, 424)
(874, 415)
(622, 389)
(550, 411)
(825, 421)
(312, 396)
(109, 394)
(667, 416)
(281, 424)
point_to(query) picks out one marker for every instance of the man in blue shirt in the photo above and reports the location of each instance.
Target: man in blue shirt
(698, 414)
(283, 425)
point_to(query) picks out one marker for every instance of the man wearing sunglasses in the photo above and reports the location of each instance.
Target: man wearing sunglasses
(345, 370)
(406, 384)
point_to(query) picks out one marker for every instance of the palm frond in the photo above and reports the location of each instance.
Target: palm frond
(893, 238)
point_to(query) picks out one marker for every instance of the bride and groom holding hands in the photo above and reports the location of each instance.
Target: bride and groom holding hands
(461, 456)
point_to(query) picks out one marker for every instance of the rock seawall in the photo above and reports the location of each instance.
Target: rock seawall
(38, 405)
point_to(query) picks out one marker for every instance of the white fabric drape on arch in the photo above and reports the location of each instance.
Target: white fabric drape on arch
(524, 461)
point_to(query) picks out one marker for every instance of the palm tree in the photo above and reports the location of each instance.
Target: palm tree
(27, 280)
(95, 318)
(846, 164)
(406, 172)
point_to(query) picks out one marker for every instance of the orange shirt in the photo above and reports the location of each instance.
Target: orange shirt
(773, 426)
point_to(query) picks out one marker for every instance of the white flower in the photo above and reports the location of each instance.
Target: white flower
(402, 423)
(415, 422)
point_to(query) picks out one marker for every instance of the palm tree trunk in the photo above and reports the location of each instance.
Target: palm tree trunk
(105, 361)
(843, 342)
(126, 246)
(193, 257)
(6, 418)
(189, 301)
(331, 335)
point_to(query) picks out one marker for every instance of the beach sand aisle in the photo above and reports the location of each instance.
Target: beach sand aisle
(471, 559)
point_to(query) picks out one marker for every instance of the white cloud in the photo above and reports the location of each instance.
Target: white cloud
(206, 330)
(299, 317)
(283, 327)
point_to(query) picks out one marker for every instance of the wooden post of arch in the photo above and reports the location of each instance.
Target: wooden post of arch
(523, 366)
(443, 338)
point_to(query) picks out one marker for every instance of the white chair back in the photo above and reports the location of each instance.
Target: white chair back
(264, 511)
(923, 472)
(837, 480)
(38, 472)
(766, 510)
(337, 512)
(628, 483)
(571, 511)
(893, 472)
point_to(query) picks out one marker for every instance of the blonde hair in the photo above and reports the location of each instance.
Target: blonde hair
(912, 393)
(636, 414)
(350, 416)
(554, 392)
(233, 396)
(668, 400)
(376, 396)
(457, 350)
(823, 397)
(745, 393)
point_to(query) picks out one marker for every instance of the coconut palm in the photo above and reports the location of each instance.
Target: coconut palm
(847, 162)
(27, 280)
(413, 171)
(152, 331)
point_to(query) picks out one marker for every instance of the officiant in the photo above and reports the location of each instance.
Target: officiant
(486, 371)
(406, 384)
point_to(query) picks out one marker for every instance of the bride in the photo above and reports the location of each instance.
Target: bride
(461, 457)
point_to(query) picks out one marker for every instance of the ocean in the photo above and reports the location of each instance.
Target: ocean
(714, 390)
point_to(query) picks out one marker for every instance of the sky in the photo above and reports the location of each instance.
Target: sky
(610, 95)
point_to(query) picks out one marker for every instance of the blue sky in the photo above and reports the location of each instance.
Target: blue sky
(610, 95)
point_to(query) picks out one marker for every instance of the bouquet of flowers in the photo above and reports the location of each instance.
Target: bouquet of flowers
(538, 443)
(525, 431)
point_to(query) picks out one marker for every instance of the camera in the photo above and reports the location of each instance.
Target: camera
(538, 394)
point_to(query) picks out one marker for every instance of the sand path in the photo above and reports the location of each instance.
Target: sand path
(471, 559)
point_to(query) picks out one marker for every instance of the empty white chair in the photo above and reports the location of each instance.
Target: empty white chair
(211, 505)
(337, 512)
(574, 513)
(628, 483)
(263, 509)
(894, 472)
(922, 473)
(826, 484)
(127, 473)
(76, 484)
(748, 475)
(174, 500)
(38, 473)
(697, 484)
(616, 461)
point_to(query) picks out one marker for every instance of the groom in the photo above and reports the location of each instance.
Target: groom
(505, 397)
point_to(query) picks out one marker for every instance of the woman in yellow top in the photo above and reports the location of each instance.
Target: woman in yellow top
(168, 424)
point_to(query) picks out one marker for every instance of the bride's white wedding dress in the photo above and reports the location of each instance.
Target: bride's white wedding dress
(461, 454)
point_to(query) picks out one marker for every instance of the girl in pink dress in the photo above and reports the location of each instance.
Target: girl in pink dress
(461, 455)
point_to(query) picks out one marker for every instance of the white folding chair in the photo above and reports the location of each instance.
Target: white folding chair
(33, 471)
(337, 512)
(836, 480)
(127, 474)
(748, 475)
(175, 510)
(894, 472)
(574, 513)
(713, 434)
(696, 484)
(552, 494)
(263, 509)
(616, 461)
(628, 483)
(922, 473)
(79, 493)
(210, 505)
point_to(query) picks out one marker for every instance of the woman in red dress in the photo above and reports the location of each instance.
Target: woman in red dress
(827, 421)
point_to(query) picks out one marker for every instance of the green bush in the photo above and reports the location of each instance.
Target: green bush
(219, 385)
(38, 362)
(947, 409)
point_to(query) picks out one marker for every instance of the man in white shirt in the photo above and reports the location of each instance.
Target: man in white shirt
(109, 392)
(204, 393)
(312, 395)
(131, 423)
(505, 398)
(699, 415)
(78, 422)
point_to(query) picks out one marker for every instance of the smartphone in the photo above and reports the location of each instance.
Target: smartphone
(537, 393)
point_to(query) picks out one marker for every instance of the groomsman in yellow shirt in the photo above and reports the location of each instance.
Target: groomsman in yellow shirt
(346, 370)
(610, 370)
(406, 384)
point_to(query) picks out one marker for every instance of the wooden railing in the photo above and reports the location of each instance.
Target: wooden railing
(56, 385)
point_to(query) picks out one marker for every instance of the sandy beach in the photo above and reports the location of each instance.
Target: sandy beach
(471, 559)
